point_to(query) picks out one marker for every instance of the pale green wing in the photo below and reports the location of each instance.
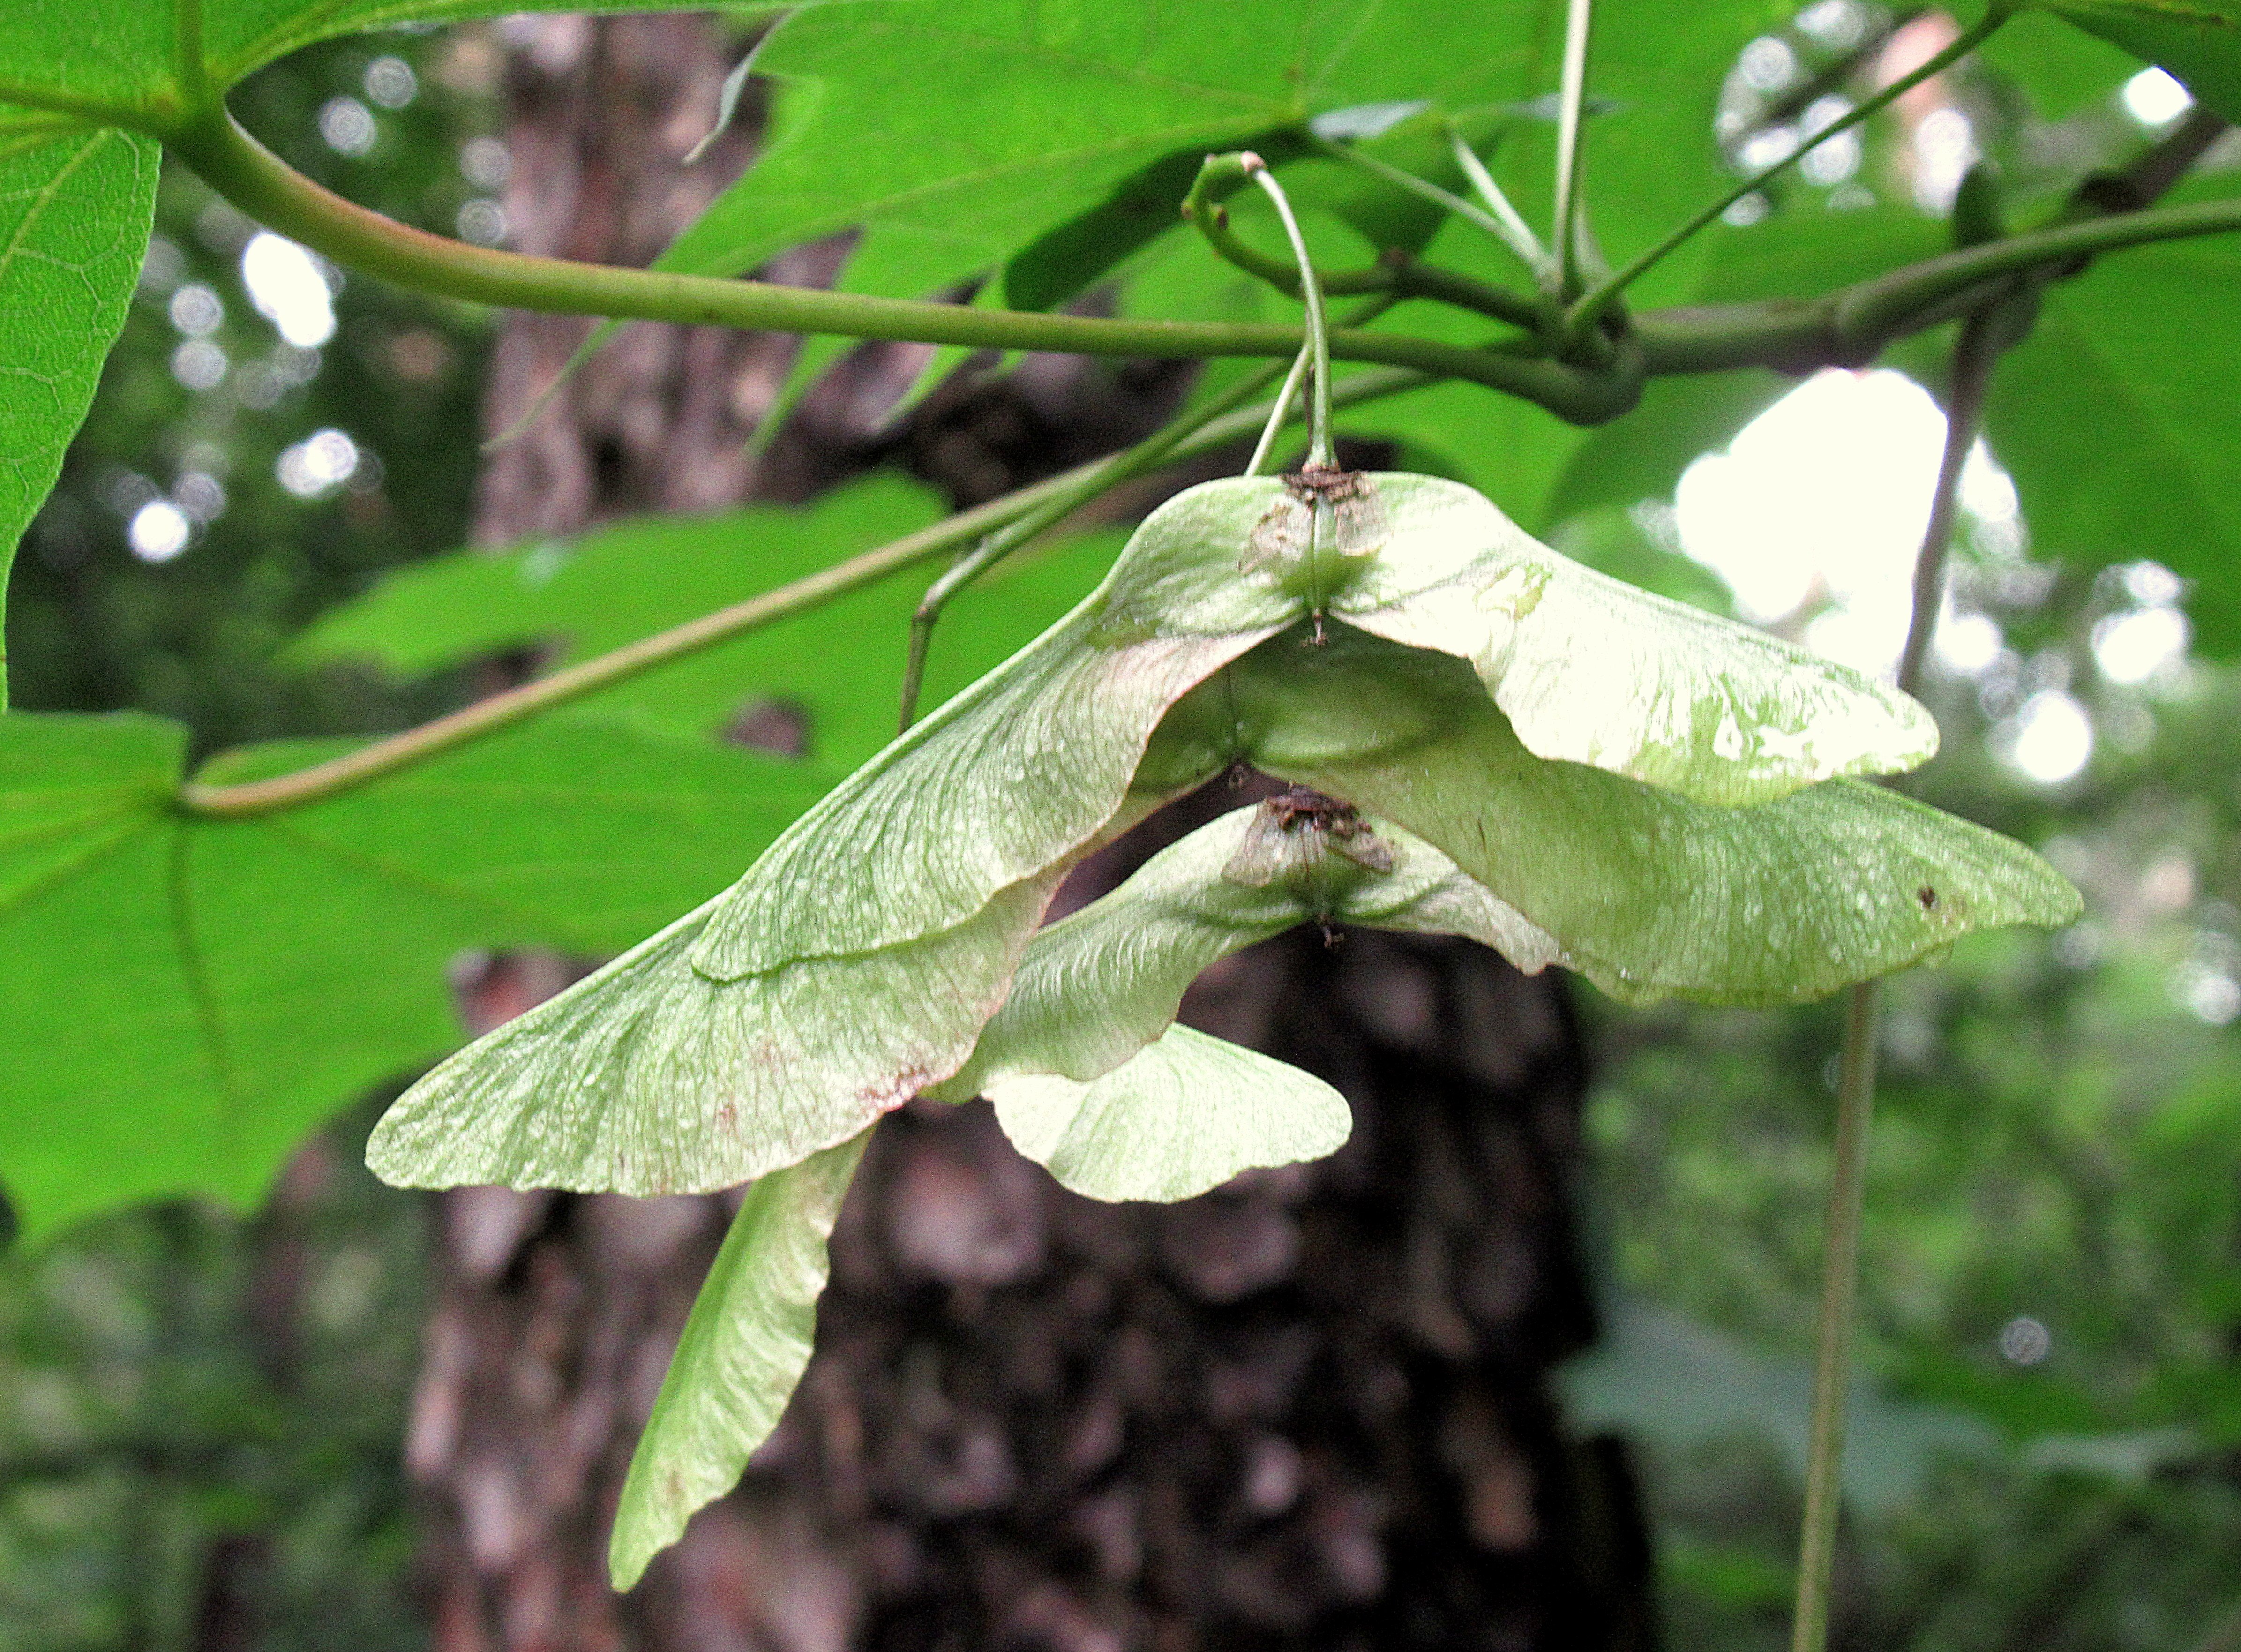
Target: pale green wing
(1099, 986)
(649, 1077)
(1648, 892)
(1592, 670)
(744, 1349)
(1183, 1114)
(1092, 1078)
(1021, 770)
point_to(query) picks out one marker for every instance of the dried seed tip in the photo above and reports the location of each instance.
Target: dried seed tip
(1249, 162)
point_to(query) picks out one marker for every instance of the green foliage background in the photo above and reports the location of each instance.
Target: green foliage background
(2059, 1132)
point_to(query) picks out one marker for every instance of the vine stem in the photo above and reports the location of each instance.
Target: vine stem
(1320, 454)
(1579, 20)
(1583, 314)
(487, 717)
(1974, 354)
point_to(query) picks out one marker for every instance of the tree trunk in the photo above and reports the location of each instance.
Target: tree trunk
(1309, 1410)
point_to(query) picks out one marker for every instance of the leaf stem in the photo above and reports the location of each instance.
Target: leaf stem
(1320, 452)
(1591, 308)
(1974, 354)
(266, 187)
(1579, 19)
(501, 711)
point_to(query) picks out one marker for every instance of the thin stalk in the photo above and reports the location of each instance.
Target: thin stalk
(1395, 273)
(1519, 237)
(1091, 481)
(1147, 455)
(1832, 1331)
(1590, 308)
(1579, 18)
(266, 188)
(1527, 248)
(1320, 453)
(502, 711)
(1280, 413)
(1974, 354)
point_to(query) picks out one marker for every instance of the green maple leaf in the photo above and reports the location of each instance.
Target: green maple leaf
(186, 997)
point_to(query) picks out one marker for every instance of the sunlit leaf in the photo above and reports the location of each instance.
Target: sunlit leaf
(743, 1350)
(2146, 339)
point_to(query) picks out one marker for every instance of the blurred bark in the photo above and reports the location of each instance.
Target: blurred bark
(1310, 1409)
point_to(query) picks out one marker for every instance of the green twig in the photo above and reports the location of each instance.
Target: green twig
(1974, 354)
(1849, 326)
(1579, 17)
(1589, 308)
(268, 190)
(485, 717)
(1839, 328)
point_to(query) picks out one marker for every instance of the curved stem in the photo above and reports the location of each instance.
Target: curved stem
(1401, 276)
(1974, 354)
(1599, 298)
(484, 716)
(1311, 294)
(268, 190)
(1147, 455)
